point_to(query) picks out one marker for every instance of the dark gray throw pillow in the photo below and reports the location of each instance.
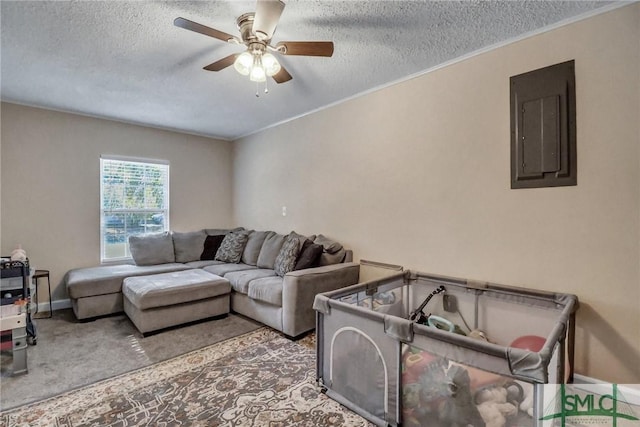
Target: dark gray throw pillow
(286, 259)
(309, 256)
(231, 248)
(211, 245)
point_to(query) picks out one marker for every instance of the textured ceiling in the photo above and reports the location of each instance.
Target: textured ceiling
(125, 60)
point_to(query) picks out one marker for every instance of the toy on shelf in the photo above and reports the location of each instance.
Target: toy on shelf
(18, 254)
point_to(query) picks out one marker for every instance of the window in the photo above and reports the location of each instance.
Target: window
(134, 199)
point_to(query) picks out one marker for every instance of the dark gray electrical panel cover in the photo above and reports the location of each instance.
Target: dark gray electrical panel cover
(543, 127)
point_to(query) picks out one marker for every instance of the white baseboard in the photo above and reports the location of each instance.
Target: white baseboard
(59, 304)
(631, 392)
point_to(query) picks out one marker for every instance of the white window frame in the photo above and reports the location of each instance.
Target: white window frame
(106, 212)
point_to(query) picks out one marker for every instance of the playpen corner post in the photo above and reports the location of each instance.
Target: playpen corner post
(319, 346)
(571, 336)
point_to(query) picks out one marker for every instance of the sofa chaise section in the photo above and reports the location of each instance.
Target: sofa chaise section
(97, 291)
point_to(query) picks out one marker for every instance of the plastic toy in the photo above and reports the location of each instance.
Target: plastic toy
(529, 342)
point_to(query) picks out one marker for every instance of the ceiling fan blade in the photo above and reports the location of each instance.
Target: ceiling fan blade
(266, 18)
(203, 29)
(282, 76)
(222, 63)
(305, 48)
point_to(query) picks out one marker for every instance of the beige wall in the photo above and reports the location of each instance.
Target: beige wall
(418, 174)
(51, 188)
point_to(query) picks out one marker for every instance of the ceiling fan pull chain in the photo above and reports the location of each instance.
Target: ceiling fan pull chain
(257, 90)
(266, 88)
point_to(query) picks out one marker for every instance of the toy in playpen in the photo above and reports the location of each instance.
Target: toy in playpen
(439, 392)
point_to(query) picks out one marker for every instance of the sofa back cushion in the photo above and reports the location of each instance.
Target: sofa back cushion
(218, 231)
(303, 239)
(151, 249)
(252, 248)
(188, 246)
(333, 252)
(270, 250)
(286, 259)
(211, 245)
(232, 245)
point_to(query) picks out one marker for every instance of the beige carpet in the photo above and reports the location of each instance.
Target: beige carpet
(72, 354)
(256, 379)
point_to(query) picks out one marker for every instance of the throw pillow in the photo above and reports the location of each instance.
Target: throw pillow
(152, 249)
(286, 259)
(301, 238)
(231, 248)
(211, 245)
(188, 246)
(309, 256)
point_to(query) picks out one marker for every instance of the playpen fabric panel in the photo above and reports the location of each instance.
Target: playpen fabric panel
(359, 363)
(372, 319)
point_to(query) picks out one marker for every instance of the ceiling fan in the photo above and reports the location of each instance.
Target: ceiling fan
(256, 30)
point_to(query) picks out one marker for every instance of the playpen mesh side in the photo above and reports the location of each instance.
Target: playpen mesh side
(360, 365)
(437, 392)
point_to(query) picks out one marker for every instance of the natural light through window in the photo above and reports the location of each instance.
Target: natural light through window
(134, 199)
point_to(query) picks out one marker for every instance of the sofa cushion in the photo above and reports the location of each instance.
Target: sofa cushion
(223, 231)
(211, 245)
(303, 239)
(253, 246)
(330, 246)
(107, 279)
(232, 245)
(286, 259)
(309, 256)
(270, 250)
(161, 290)
(203, 263)
(223, 269)
(188, 246)
(334, 258)
(151, 249)
(267, 289)
(239, 280)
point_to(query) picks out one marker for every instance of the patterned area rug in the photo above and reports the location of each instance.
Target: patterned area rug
(256, 379)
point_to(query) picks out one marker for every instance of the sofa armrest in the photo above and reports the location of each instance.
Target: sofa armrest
(300, 287)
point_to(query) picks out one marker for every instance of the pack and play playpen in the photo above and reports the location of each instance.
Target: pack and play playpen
(416, 349)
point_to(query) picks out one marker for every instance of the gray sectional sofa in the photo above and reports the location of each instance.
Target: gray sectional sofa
(269, 277)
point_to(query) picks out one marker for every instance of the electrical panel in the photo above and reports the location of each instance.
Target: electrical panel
(543, 127)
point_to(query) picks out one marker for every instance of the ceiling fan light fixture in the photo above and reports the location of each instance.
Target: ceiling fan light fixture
(243, 63)
(270, 64)
(257, 73)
